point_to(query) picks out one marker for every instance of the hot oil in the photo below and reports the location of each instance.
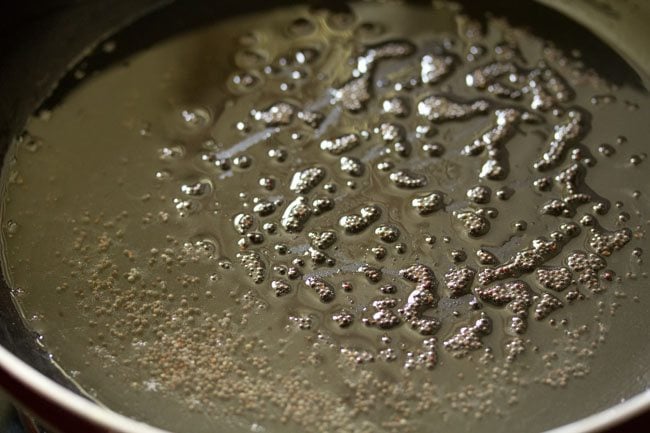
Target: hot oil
(377, 219)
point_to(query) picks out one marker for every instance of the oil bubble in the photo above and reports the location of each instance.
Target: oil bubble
(301, 27)
(195, 118)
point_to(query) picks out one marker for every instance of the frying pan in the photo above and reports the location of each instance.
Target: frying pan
(39, 41)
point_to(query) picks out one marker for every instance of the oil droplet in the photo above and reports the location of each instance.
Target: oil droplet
(195, 118)
(301, 27)
(12, 227)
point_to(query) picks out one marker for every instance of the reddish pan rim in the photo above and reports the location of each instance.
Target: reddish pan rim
(66, 411)
(59, 407)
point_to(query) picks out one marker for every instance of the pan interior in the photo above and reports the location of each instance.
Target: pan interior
(373, 217)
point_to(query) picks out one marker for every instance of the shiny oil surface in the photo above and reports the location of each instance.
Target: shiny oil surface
(377, 218)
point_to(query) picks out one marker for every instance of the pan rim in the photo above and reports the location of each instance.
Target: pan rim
(106, 419)
(79, 407)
